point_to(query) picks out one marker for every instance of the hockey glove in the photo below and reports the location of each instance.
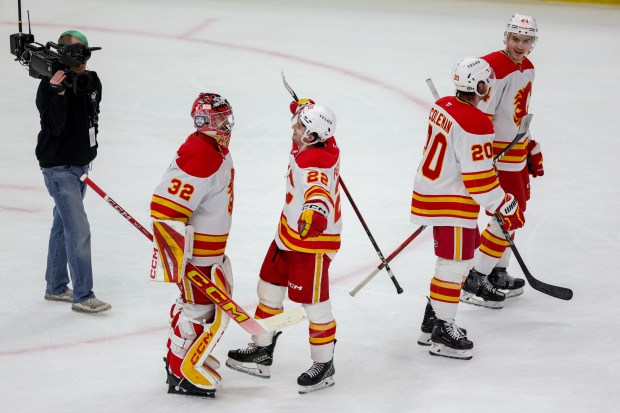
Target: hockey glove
(534, 159)
(511, 213)
(312, 221)
(295, 106)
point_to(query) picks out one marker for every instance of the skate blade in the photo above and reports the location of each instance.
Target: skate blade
(472, 299)
(181, 392)
(512, 293)
(424, 339)
(252, 369)
(445, 351)
(328, 382)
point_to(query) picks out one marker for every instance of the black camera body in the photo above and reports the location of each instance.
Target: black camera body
(45, 61)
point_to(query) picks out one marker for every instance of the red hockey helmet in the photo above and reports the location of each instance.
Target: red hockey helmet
(213, 116)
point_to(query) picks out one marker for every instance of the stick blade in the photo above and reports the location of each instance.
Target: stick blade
(285, 319)
(525, 123)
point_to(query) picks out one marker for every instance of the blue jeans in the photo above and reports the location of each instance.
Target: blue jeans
(70, 235)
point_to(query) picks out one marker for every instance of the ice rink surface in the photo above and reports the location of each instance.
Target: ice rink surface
(367, 60)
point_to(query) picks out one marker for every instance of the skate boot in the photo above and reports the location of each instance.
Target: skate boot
(477, 290)
(253, 360)
(177, 385)
(506, 283)
(427, 325)
(449, 341)
(317, 377)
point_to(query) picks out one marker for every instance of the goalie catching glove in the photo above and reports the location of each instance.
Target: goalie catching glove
(535, 159)
(511, 213)
(312, 221)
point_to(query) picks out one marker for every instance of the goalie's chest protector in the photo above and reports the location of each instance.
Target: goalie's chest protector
(507, 103)
(197, 189)
(312, 177)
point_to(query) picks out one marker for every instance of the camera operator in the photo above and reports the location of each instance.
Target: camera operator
(66, 146)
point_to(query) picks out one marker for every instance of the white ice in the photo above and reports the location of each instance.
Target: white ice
(367, 60)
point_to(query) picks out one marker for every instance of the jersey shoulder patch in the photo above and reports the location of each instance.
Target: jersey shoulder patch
(199, 158)
(324, 157)
(471, 119)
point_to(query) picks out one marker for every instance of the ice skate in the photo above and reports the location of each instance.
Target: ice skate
(509, 285)
(317, 377)
(253, 360)
(427, 325)
(177, 385)
(477, 290)
(448, 341)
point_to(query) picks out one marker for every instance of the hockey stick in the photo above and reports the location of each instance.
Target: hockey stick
(431, 86)
(554, 291)
(397, 251)
(208, 287)
(399, 290)
(384, 262)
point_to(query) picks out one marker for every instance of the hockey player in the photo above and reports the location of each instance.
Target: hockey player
(306, 242)
(455, 177)
(506, 104)
(194, 203)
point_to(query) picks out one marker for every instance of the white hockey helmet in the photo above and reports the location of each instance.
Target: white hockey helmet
(317, 119)
(522, 24)
(473, 74)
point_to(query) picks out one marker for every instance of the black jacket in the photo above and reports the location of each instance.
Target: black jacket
(65, 122)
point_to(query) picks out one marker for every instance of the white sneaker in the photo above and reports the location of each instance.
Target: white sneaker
(91, 305)
(67, 296)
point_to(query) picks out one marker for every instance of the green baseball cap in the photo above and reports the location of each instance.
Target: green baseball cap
(78, 35)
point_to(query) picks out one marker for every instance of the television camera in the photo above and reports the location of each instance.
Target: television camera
(44, 61)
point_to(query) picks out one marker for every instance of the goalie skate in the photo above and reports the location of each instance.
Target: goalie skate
(449, 341)
(319, 376)
(509, 285)
(253, 360)
(477, 290)
(183, 387)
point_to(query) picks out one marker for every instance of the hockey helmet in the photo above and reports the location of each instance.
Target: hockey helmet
(473, 74)
(213, 115)
(317, 120)
(522, 24)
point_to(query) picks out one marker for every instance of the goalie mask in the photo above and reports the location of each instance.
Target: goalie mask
(213, 116)
(523, 25)
(473, 74)
(317, 120)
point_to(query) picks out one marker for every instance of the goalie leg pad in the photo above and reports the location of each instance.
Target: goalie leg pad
(190, 349)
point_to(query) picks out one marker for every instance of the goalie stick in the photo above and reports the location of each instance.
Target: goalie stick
(207, 287)
(551, 290)
(399, 289)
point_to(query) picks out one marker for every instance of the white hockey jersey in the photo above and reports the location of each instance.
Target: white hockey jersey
(506, 104)
(456, 174)
(312, 178)
(197, 189)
